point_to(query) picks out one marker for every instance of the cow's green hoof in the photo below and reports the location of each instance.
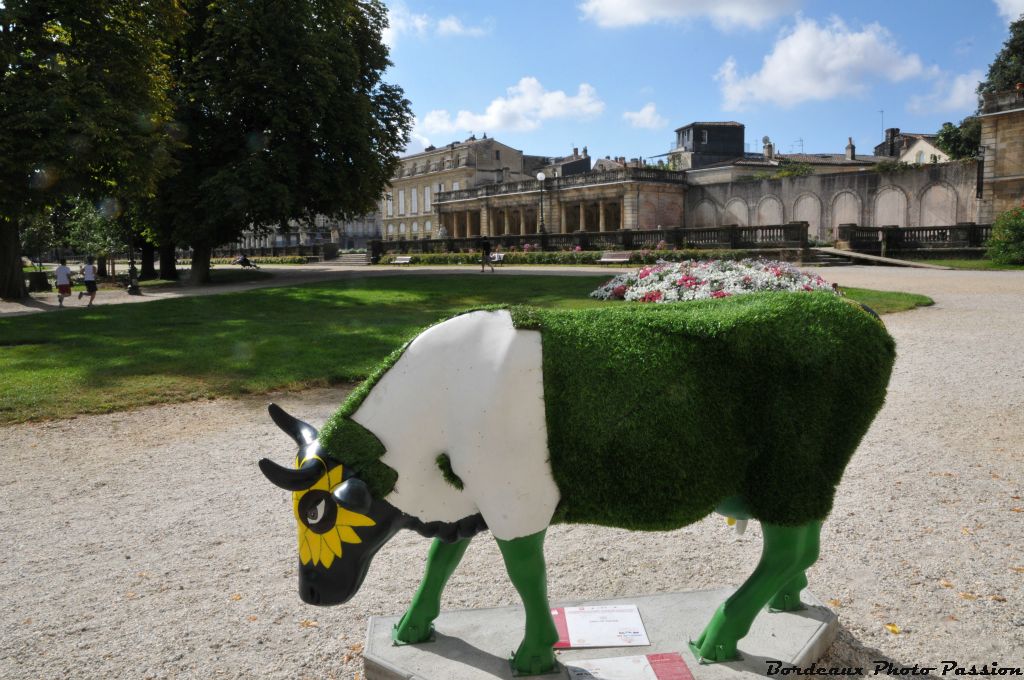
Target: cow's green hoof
(407, 633)
(707, 654)
(533, 662)
(718, 641)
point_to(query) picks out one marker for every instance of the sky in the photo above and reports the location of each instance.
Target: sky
(619, 76)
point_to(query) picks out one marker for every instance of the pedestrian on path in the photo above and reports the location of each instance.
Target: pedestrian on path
(485, 255)
(63, 276)
(89, 274)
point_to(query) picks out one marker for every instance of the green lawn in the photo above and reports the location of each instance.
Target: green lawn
(982, 264)
(115, 357)
(886, 302)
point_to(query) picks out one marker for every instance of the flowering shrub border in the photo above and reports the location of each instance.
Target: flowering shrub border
(702, 279)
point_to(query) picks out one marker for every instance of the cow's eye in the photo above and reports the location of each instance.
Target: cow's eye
(316, 513)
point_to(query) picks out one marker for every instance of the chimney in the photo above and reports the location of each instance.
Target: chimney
(575, 151)
(584, 152)
(890, 141)
(769, 148)
(851, 150)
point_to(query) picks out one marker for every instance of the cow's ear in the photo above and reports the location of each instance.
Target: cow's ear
(354, 495)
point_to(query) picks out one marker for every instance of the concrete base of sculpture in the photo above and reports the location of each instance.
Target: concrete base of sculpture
(476, 643)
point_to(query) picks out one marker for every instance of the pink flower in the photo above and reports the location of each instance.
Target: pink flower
(644, 273)
(652, 296)
(806, 287)
(720, 294)
(577, 249)
(619, 292)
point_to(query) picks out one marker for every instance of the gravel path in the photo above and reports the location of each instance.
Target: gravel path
(147, 545)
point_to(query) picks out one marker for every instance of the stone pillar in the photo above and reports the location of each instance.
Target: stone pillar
(583, 216)
(522, 221)
(600, 217)
(485, 221)
(630, 210)
(564, 222)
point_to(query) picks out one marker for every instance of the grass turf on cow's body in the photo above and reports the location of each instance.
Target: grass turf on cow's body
(645, 418)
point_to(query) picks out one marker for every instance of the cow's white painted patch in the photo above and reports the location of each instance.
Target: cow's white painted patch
(471, 387)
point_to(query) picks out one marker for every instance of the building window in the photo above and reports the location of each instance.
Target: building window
(703, 136)
(455, 186)
(426, 226)
(391, 204)
(919, 158)
(440, 186)
(426, 199)
(497, 154)
(415, 227)
(401, 229)
(415, 200)
(401, 202)
(391, 230)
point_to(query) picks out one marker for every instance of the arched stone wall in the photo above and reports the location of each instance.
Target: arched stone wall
(769, 211)
(890, 207)
(938, 205)
(845, 210)
(705, 214)
(736, 212)
(807, 208)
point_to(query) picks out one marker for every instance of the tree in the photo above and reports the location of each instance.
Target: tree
(1007, 69)
(83, 108)
(960, 141)
(286, 116)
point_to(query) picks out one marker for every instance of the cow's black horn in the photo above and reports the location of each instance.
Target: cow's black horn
(293, 479)
(354, 495)
(303, 433)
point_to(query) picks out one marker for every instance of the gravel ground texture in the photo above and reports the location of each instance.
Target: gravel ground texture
(146, 544)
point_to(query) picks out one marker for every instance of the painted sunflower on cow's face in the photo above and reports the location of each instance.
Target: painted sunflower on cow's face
(323, 524)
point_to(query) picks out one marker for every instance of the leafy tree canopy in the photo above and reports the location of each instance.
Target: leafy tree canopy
(286, 116)
(82, 107)
(1007, 69)
(960, 141)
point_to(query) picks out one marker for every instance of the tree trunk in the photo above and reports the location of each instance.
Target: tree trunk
(200, 265)
(146, 252)
(168, 262)
(101, 266)
(12, 283)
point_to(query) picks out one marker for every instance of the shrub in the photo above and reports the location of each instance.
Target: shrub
(284, 259)
(573, 257)
(1007, 243)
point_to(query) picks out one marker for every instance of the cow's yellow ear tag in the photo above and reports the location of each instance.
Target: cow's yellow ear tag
(731, 521)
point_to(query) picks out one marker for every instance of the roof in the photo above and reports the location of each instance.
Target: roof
(721, 123)
(759, 160)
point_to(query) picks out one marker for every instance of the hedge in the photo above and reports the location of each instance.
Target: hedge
(288, 259)
(577, 257)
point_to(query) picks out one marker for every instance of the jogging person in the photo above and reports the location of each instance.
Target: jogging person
(89, 274)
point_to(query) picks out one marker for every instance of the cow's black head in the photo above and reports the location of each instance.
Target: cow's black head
(341, 526)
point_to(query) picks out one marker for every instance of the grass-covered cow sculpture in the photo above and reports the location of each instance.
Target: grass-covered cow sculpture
(641, 417)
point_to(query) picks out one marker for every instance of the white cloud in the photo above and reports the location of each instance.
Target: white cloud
(724, 14)
(452, 25)
(418, 140)
(647, 117)
(525, 107)
(819, 62)
(949, 94)
(402, 21)
(1010, 9)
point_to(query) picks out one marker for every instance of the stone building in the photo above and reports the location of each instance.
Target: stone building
(407, 208)
(626, 198)
(910, 147)
(1002, 142)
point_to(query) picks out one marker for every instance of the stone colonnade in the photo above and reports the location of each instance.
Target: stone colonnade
(519, 219)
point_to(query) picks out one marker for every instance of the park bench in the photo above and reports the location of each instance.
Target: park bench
(615, 257)
(402, 259)
(497, 258)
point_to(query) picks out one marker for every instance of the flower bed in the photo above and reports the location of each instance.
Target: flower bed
(700, 279)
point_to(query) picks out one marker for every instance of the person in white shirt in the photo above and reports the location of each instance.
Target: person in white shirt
(63, 276)
(89, 274)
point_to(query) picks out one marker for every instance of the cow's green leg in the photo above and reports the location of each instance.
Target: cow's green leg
(783, 558)
(416, 624)
(524, 561)
(788, 597)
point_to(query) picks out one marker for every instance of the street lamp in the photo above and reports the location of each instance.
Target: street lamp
(540, 224)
